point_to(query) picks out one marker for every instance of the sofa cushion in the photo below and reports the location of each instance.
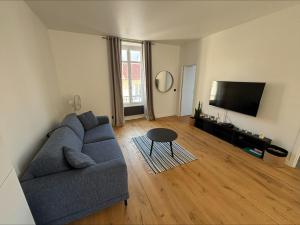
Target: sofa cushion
(27, 175)
(99, 133)
(88, 120)
(103, 151)
(102, 119)
(76, 159)
(74, 123)
(50, 159)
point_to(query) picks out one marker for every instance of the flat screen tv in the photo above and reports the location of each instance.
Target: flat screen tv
(242, 97)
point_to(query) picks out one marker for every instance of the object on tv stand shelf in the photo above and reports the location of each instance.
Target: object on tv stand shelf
(238, 137)
(218, 118)
(198, 111)
(229, 125)
(257, 150)
(253, 152)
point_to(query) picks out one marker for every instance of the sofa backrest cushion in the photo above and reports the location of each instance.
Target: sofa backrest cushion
(74, 123)
(50, 159)
(88, 120)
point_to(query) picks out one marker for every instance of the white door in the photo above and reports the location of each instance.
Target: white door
(187, 90)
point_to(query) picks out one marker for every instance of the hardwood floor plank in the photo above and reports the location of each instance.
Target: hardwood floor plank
(224, 186)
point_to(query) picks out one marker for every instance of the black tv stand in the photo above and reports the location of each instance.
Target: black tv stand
(229, 125)
(228, 132)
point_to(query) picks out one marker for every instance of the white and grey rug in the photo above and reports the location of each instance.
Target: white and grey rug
(161, 159)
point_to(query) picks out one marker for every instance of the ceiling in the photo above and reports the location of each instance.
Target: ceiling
(151, 20)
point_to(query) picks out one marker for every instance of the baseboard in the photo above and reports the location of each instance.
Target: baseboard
(164, 115)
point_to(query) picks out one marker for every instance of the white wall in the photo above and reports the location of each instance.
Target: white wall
(189, 53)
(266, 50)
(82, 67)
(29, 94)
(165, 57)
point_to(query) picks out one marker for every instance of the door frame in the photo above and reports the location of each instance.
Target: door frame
(295, 154)
(181, 86)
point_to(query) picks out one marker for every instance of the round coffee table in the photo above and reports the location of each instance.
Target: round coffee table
(161, 135)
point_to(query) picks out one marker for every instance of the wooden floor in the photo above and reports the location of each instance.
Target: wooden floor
(224, 186)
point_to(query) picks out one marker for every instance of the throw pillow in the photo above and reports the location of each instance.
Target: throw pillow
(77, 160)
(88, 120)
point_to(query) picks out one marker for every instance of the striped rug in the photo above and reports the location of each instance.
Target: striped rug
(161, 159)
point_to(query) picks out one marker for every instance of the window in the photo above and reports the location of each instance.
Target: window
(132, 74)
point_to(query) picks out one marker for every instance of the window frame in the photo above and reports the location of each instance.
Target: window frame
(128, 47)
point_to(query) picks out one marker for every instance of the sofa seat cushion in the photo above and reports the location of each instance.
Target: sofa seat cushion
(74, 123)
(50, 159)
(103, 151)
(99, 133)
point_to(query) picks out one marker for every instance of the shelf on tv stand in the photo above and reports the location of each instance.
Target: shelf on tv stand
(232, 134)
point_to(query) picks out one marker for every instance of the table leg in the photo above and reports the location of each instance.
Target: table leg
(171, 149)
(151, 148)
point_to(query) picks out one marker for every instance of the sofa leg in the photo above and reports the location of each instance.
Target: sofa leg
(125, 202)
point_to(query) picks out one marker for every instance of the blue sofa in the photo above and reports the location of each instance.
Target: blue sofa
(59, 194)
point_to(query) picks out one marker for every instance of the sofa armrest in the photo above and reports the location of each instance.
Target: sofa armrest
(102, 119)
(57, 195)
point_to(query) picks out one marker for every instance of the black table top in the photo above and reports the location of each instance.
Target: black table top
(161, 135)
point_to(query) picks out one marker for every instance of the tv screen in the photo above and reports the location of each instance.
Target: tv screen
(242, 97)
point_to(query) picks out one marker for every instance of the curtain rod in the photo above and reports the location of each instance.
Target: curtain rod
(128, 40)
(125, 39)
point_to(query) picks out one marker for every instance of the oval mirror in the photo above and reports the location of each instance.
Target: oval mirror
(164, 81)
